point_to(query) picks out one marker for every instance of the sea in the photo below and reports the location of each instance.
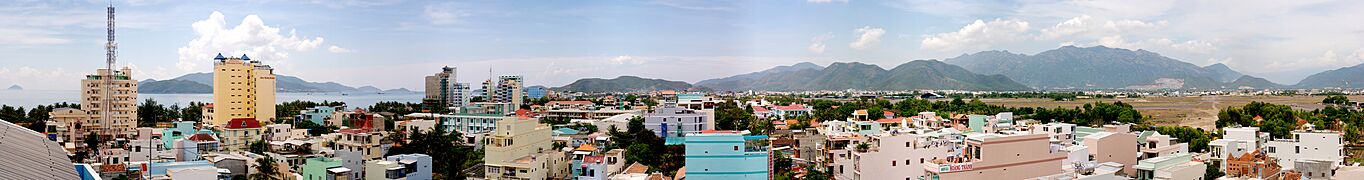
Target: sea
(32, 98)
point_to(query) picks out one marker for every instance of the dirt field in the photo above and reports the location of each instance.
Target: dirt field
(1185, 111)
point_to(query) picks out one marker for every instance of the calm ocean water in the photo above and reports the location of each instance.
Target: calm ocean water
(31, 98)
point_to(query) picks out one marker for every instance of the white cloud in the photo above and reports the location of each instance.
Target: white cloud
(817, 43)
(251, 37)
(867, 37)
(826, 1)
(444, 13)
(335, 49)
(977, 35)
(627, 60)
(1158, 44)
(1087, 25)
(1328, 60)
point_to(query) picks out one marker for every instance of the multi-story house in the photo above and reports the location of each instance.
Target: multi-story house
(239, 133)
(1170, 166)
(892, 156)
(727, 155)
(671, 121)
(1309, 147)
(999, 156)
(520, 148)
(367, 143)
(1153, 144)
(242, 88)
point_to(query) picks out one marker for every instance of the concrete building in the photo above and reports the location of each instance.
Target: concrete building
(416, 166)
(242, 88)
(368, 143)
(727, 155)
(520, 149)
(1153, 144)
(1063, 133)
(507, 89)
(30, 155)
(440, 88)
(1114, 147)
(321, 115)
(239, 133)
(121, 102)
(987, 156)
(1308, 146)
(67, 125)
(193, 148)
(793, 110)
(892, 156)
(189, 170)
(322, 168)
(671, 121)
(1169, 167)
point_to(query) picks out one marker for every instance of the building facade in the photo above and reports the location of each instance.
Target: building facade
(727, 155)
(670, 121)
(520, 149)
(242, 88)
(121, 102)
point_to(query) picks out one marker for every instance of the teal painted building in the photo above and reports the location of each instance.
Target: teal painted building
(182, 129)
(317, 115)
(320, 168)
(728, 156)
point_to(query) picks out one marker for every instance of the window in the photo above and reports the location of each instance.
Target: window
(892, 163)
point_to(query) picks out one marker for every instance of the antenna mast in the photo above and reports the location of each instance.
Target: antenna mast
(111, 55)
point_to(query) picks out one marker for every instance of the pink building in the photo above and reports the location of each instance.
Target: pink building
(1114, 147)
(999, 156)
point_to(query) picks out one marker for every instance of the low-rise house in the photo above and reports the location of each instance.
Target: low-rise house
(1170, 167)
(239, 133)
(415, 166)
(987, 156)
(1153, 144)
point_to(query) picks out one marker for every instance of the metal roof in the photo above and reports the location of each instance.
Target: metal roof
(29, 155)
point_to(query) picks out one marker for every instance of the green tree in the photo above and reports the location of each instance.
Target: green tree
(258, 147)
(265, 168)
(1335, 99)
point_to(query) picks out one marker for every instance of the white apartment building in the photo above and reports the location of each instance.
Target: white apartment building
(1319, 146)
(892, 156)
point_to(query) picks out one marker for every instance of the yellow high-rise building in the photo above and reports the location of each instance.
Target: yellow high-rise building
(242, 88)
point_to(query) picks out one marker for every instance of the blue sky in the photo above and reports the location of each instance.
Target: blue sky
(393, 43)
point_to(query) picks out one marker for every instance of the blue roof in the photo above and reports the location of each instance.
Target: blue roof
(220, 57)
(245, 58)
(566, 131)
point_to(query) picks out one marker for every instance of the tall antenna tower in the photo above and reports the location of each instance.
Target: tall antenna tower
(111, 54)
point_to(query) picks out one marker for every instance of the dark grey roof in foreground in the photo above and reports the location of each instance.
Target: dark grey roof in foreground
(29, 155)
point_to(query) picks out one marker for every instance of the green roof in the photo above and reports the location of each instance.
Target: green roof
(1081, 132)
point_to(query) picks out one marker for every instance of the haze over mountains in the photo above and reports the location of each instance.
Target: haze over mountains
(199, 83)
(1063, 68)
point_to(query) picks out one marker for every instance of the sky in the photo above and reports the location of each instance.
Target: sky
(51, 44)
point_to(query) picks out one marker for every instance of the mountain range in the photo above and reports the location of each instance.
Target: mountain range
(199, 83)
(918, 74)
(1347, 77)
(627, 84)
(15, 87)
(1102, 67)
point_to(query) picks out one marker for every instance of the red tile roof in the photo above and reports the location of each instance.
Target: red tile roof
(571, 102)
(760, 109)
(890, 120)
(353, 130)
(202, 137)
(593, 159)
(791, 107)
(243, 123)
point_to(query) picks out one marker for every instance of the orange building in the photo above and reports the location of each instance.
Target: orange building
(1253, 165)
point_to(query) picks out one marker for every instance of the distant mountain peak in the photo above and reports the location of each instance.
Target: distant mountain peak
(15, 87)
(627, 83)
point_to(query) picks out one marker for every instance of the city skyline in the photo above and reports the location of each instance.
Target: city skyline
(52, 44)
